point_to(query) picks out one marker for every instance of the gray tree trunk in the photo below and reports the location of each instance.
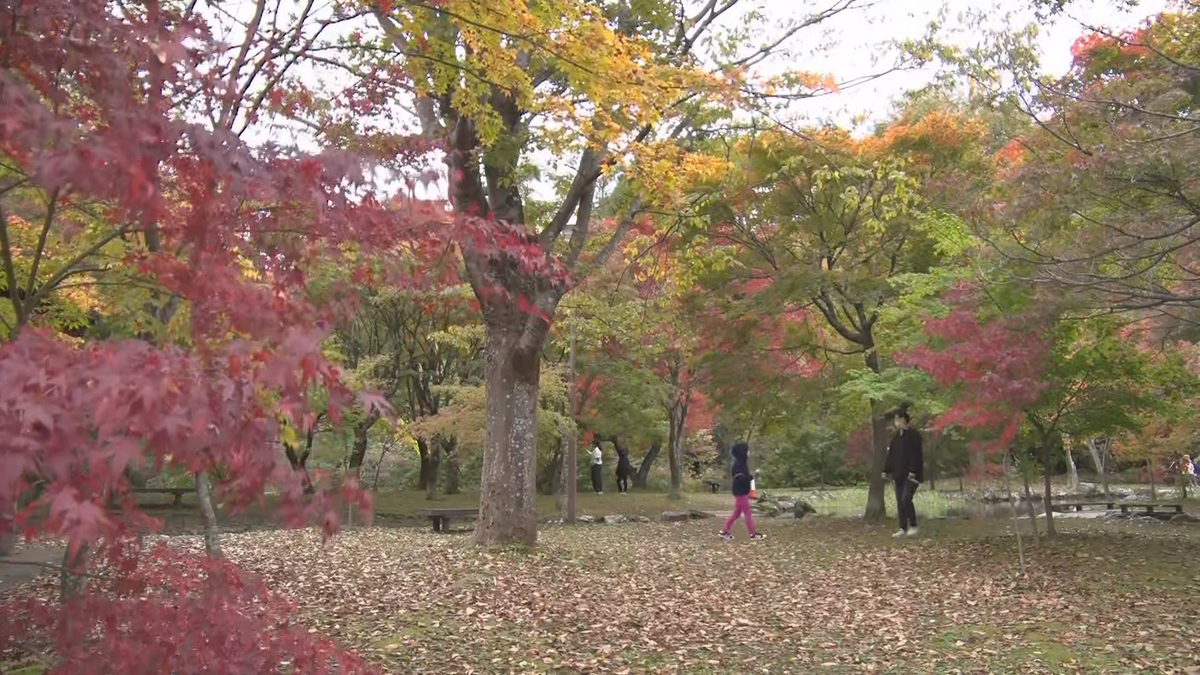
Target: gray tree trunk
(1100, 459)
(433, 461)
(1029, 500)
(72, 578)
(876, 511)
(1016, 522)
(678, 417)
(643, 473)
(560, 478)
(1050, 532)
(1072, 471)
(452, 467)
(212, 532)
(508, 491)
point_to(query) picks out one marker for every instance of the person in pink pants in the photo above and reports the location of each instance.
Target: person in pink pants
(741, 492)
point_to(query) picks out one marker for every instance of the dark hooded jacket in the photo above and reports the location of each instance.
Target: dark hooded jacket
(905, 456)
(624, 466)
(741, 470)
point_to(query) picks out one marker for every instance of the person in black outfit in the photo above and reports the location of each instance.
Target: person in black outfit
(624, 470)
(906, 466)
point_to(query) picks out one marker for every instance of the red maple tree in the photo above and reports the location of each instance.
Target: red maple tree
(994, 366)
(88, 118)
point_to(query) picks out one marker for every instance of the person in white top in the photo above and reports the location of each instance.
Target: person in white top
(597, 470)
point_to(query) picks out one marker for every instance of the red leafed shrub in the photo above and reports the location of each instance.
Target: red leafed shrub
(165, 611)
(224, 230)
(996, 366)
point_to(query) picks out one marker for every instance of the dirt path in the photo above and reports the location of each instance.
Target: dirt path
(26, 564)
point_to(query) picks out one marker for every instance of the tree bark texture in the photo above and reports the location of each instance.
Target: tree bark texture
(431, 478)
(876, 510)
(450, 450)
(361, 436)
(1050, 532)
(507, 503)
(212, 531)
(677, 419)
(643, 473)
(1072, 470)
(1029, 500)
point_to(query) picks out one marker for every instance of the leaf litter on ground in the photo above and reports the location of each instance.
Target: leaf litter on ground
(824, 595)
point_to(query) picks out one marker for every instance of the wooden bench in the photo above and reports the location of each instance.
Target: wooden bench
(713, 485)
(441, 517)
(178, 493)
(1149, 507)
(1078, 505)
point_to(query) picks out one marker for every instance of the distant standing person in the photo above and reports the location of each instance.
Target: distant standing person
(906, 466)
(624, 470)
(597, 470)
(741, 492)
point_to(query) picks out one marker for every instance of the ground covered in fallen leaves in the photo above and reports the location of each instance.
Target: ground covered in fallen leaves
(823, 594)
(818, 594)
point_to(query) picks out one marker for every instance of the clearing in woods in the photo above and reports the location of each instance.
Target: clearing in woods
(821, 594)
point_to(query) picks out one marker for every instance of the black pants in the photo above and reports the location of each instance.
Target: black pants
(905, 489)
(597, 478)
(622, 483)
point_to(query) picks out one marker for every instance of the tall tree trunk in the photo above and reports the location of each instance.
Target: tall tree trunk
(72, 579)
(431, 478)
(1046, 457)
(1072, 471)
(821, 468)
(675, 447)
(1016, 521)
(1029, 501)
(876, 510)
(547, 475)
(212, 533)
(1153, 481)
(560, 478)
(1100, 459)
(379, 465)
(643, 472)
(361, 432)
(450, 449)
(508, 495)
(423, 453)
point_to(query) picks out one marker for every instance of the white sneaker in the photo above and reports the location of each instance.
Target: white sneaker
(898, 534)
(913, 532)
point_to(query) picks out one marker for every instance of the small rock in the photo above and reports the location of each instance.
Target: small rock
(674, 516)
(586, 519)
(802, 508)
(786, 505)
(615, 520)
(1184, 518)
(642, 519)
(553, 521)
(820, 494)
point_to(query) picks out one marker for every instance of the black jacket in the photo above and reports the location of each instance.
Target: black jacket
(905, 456)
(741, 470)
(624, 466)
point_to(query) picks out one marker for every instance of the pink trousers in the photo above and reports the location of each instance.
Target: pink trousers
(741, 506)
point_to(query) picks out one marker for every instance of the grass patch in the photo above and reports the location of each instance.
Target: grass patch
(850, 502)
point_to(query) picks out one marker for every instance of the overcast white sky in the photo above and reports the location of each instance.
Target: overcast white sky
(856, 37)
(848, 46)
